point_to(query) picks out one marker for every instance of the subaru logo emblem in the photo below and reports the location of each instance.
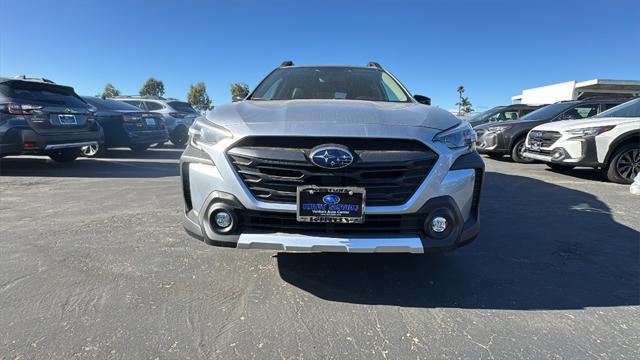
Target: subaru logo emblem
(331, 199)
(331, 157)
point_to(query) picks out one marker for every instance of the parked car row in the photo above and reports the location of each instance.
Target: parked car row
(40, 117)
(600, 133)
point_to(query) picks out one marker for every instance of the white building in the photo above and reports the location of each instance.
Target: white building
(572, 90)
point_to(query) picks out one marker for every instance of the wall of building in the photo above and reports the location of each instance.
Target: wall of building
(549, 94)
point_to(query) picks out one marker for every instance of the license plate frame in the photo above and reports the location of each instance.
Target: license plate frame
(67, 119)
(326, 204)
(150, 121)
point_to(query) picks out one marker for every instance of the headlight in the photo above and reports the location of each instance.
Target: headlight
(499, 129)
(204, 132)
(590, 131)
(460, 137)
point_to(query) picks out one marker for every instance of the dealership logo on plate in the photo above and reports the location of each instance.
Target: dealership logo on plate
(331, 199)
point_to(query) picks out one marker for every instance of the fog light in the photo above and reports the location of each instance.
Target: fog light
(439, 224)
(222, 219)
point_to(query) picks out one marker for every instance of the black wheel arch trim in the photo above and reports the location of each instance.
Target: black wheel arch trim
(620, 140)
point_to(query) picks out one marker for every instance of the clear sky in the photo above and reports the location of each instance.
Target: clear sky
(493, 48)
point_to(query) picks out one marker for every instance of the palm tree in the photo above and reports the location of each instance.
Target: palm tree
(460, 92)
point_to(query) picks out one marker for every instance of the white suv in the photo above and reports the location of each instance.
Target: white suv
(609, 140)
(178, 115)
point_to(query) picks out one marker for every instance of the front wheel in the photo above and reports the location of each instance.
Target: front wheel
(517, 153)
(179, 136)
(92, 150)
(64, 155)
(560, 167)
(624, 165)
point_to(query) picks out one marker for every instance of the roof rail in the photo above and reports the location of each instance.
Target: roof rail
(374, 64)
(24, 77)
(150, 97)
(286, 63)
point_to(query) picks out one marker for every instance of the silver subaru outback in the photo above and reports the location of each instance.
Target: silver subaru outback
(332, 158)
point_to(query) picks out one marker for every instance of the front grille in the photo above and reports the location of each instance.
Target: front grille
(389, 169)
(273, 222)
(545, 138)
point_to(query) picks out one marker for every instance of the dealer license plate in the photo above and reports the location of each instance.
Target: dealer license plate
(330, 204)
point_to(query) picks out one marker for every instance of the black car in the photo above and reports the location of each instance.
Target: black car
(508, 137)
(40, 117)
(503, 113)
(125, 125)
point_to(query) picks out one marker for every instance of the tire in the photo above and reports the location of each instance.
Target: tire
(64, 155)
(179, 136)
(139, 147)
(92, 151)
(624, 165)
(517, 151)
(560, 167)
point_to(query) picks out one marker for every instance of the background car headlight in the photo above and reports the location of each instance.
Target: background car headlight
(590, 131)
(205, 132)
(499, 129)
(460, 137)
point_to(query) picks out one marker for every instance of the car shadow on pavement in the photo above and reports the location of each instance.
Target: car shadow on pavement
(541, 246)
(88, 168)
(123, 153)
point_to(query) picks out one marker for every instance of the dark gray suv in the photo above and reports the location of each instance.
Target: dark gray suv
(40, 117)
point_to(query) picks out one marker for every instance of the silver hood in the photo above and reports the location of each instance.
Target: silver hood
(316, 116)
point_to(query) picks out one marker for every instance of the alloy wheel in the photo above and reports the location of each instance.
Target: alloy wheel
(90, 150)
(628, 165)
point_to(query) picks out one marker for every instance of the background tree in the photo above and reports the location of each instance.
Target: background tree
(240, 89)
(464, 105)
(198, 97)
(152, 87)
(460, 92)
(109, 91)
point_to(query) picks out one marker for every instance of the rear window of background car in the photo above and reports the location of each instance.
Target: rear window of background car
(181, 106)
(153, 105)
(41, 92)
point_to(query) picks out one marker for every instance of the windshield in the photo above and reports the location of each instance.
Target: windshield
(110, 104)
(485, 114)
(341, 83)
(628, 109)
(547, 112)
(182, 107)
(42, 92)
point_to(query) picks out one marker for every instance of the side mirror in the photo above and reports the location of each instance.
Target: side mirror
(239, 97)
(422, 99)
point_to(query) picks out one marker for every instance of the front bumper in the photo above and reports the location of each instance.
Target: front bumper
(491, 143)
(454, 188)
(570, 151)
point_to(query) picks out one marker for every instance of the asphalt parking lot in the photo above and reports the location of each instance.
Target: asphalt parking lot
(94, 263)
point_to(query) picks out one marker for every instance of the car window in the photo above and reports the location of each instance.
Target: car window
(524, 112)
(628, 109)
(110, 104)
(580, 112)
(392, 89)
(42, 92)
(136, 103)
(151, 105)
(328, 82)
(182, 106)
(504, 115)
